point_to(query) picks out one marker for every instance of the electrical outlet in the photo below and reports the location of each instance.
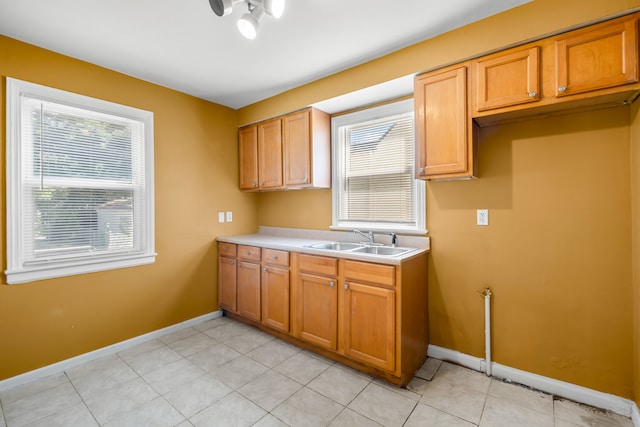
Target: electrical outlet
(220, 216)
(229, 216)
(482, 217)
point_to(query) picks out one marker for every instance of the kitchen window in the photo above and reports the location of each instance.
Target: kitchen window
(79, 184)
(374, 185)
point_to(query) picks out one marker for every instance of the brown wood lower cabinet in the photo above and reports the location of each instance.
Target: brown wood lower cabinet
(369, 324)
(275, 289)
(227, 289)
(318, 310)
(317, 300)
(249, 290)
(370, 316)
(227, 277)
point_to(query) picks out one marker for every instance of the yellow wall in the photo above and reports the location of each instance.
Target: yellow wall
(195, 177)
(635, 222)
(557, 252)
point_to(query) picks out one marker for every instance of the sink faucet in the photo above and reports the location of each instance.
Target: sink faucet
(394, 239)
(368, 234)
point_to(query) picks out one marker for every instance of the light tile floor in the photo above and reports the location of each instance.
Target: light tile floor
(223, 373)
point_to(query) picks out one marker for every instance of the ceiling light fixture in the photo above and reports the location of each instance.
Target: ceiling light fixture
(223, 7)
(249, 23)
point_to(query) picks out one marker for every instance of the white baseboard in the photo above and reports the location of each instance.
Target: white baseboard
(567, 390)
(64, 365)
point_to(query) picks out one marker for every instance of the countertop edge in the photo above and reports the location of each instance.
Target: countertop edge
(286, 242)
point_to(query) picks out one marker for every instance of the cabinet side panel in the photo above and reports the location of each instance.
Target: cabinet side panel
(413, 322)
(321, 157)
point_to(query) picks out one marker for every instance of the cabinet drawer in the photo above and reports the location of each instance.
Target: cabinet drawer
(275, 257)
(249, 253)
(318, 265)
(227, 249)
(370, 273)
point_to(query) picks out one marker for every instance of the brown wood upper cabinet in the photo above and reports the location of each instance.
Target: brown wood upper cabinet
(598, 57)
(588, 68)
(507, 78)
(444, 142)
(270, 154)
(248, 154)
(291, 151)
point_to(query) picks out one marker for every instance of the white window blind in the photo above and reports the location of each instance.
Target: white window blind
(374, 184)
(79, 184)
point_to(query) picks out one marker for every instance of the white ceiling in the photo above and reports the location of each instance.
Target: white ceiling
(183, 45)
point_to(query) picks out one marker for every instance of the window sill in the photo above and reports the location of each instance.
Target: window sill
(31, 274)
(377, 229)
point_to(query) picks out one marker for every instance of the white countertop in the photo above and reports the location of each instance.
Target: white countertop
(298, 240)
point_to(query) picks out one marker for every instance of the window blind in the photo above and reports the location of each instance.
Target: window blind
(83, 178)
(79, 184)
(376, 176)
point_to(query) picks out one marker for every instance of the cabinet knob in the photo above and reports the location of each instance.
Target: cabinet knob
(533, 94)
(255, 184)
(346, 286)
(306, 179)
(332, 283)
(275, 257)
(264, 269)
(421, 170)
(232, 262)
(562, 89)
(262, 184)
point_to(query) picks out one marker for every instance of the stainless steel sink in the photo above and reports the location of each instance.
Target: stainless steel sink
(382, 250)
(336, 246)
(361, 248)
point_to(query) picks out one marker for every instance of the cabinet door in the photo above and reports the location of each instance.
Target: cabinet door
(248, 154)
(275, 298)
(318, 299)
(270, 154)
(297, 148)
(597, 58)
(227, 283)
(369, 324)
(441, 123)
(507, 79)
(249, 290)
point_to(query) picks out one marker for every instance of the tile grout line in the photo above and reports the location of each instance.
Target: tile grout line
(80, 396)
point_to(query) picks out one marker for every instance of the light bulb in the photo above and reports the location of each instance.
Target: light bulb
(274, 8)
(248, 26)
(249, 23)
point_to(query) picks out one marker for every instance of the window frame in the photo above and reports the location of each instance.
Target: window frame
(18, 270)
(419, 196)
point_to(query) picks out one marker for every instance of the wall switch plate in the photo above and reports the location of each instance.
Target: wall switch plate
(229, 216)
(220, 216)
(482, 217)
